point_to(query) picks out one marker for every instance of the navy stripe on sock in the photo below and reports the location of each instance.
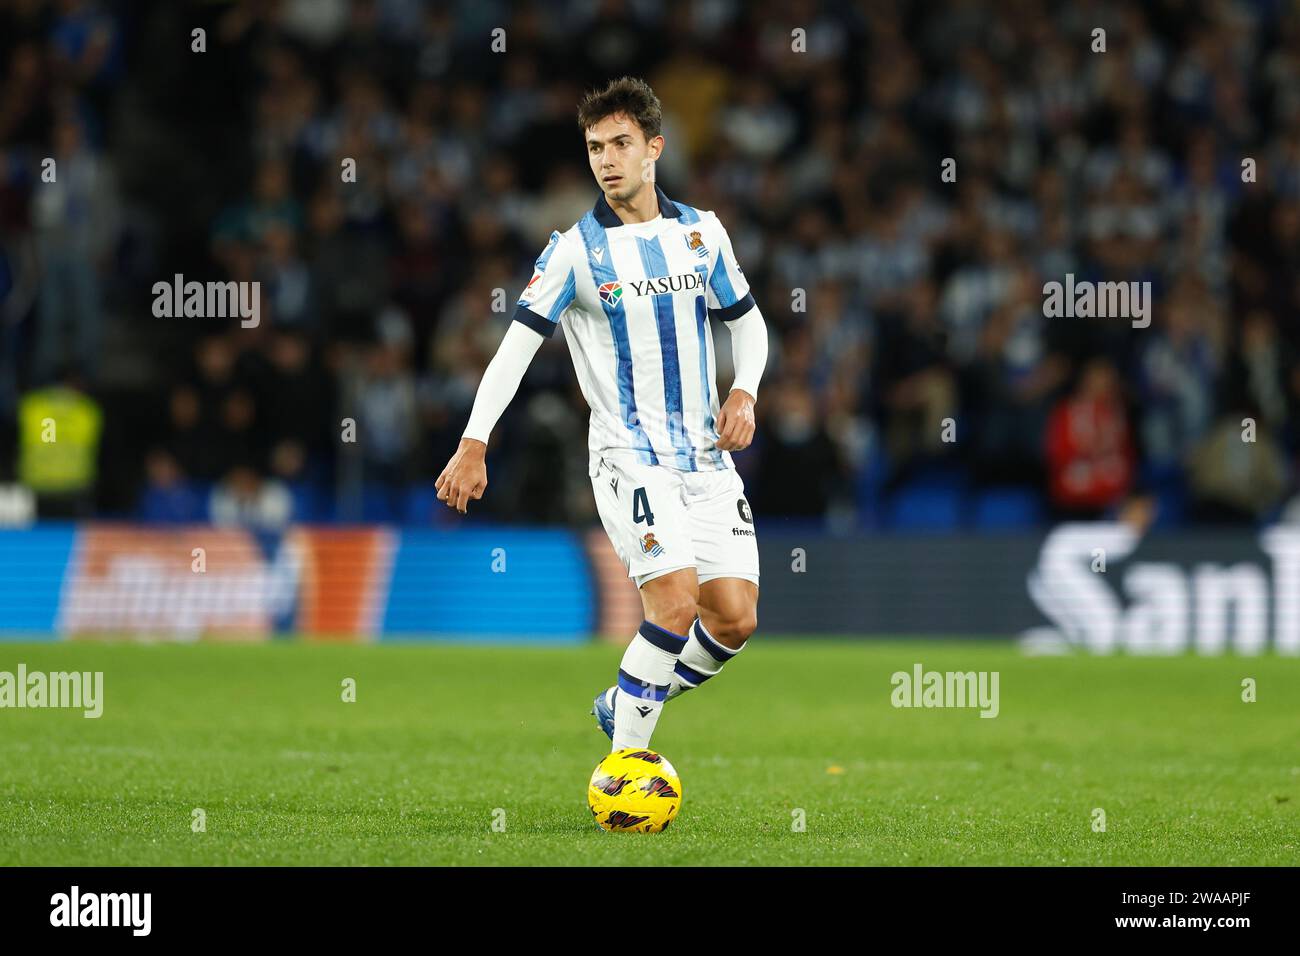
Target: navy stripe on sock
(691, 676)
(640, 688)
(716, 651)
(662, 639)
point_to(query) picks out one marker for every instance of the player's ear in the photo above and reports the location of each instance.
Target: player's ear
(656, 146)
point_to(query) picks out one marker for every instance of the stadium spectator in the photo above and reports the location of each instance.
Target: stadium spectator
(387, 416)
(73, 220)
(1090, 447)
(247, 499)
(917, 390)
(1238, 471)
(800, 469)
(59, 434)
(1178, 365)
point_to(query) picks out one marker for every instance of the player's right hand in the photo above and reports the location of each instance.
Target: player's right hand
(465, 476)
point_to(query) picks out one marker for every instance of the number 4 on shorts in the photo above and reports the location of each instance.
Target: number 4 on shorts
(641, 508)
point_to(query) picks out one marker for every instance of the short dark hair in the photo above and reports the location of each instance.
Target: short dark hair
(627, 94)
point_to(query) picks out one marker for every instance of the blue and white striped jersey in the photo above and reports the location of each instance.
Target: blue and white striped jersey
(634, 301)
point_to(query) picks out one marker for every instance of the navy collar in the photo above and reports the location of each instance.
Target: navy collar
(609, 219)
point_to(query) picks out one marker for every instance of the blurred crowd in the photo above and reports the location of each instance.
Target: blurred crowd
(914, 380)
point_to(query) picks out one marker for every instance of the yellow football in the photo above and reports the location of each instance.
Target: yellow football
(634, 791)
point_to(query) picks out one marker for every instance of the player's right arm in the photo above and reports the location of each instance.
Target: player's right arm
(547, 295)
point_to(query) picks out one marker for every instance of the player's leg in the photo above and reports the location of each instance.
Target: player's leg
(643, 510)
(726, 615)
(727, 561)
(728, 611)
(646, 671)
(670, 601)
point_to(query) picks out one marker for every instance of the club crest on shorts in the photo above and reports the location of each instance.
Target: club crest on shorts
(696, 244)
(650, 546)
(611, 293)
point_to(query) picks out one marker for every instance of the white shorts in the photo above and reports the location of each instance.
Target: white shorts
(661, 520)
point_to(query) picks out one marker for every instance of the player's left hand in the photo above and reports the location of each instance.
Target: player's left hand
(736, 421)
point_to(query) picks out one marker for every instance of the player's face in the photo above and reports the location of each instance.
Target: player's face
(621, 159)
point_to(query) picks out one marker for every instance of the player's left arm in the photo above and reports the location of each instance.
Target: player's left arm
(730, 300)
(749, 355)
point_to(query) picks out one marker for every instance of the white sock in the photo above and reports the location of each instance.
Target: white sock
(643, 679)
(700, 659)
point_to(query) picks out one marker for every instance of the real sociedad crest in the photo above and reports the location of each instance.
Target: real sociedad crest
(696, 244)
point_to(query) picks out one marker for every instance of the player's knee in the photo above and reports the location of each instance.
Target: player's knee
(749, 624)
(674, 611)
(680, 615)
(734, 627)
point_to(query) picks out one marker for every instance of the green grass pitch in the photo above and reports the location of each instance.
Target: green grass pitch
(442, 736)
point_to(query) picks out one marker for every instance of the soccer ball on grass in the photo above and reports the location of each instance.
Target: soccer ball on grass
(635, 791)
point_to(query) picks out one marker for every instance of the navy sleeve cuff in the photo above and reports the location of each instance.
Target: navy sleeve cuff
(733, 312)
(538, 323)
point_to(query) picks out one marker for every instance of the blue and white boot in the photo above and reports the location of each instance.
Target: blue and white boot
(603, 708)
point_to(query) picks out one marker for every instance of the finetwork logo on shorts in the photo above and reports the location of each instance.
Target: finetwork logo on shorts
(103, 909)
(82, 690)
